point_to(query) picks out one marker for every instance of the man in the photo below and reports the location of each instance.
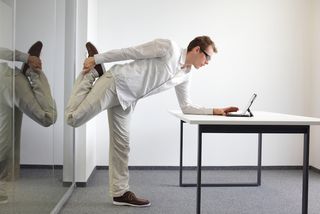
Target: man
(157, 66)
(32, 96)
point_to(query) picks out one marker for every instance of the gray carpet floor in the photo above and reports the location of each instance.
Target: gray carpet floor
(279, 193)
(36, 191)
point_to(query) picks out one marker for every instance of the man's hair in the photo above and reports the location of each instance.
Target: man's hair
(203, 42)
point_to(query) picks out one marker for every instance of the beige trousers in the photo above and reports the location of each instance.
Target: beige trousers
(90, 97)
(20, 95)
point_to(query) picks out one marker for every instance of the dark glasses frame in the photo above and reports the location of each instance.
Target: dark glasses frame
(208, 57)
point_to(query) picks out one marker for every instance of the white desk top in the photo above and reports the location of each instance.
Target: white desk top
(259, 118)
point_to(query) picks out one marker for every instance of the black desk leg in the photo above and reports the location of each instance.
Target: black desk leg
(259, 160)
(199, 169)
(181, 152)
(305, 181)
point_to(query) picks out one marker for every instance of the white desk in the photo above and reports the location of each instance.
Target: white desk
(262, 122)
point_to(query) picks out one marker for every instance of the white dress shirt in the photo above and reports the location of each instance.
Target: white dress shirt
(7, 55)
(156, 67)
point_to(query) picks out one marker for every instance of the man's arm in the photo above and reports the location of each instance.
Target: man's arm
(33, 61)
(182, 91)
(7, 54)
(153, 49)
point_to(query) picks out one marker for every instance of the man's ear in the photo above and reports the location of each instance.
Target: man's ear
(197, 49)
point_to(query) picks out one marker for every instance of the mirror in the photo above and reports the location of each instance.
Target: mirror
(32, 128)
(6, 100)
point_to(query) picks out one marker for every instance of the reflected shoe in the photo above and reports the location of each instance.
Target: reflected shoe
(92, 50)
(34, 50)
(3, 199)
(129, 199)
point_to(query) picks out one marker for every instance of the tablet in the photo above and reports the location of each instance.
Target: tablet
(246, 112)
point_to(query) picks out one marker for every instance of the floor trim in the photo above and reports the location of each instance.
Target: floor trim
(176, 168)
(38, 166)
(312, 168)
(84, 184)
(209, 168)
(63, 200)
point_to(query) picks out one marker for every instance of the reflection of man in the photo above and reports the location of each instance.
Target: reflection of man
(157, 66)
(32, 96)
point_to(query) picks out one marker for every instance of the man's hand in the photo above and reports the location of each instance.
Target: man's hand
(224, 111)
(88, 64)
(35, 63)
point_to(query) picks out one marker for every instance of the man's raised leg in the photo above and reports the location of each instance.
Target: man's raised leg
(88, 98)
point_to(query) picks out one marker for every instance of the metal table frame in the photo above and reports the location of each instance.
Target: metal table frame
(257, 183)
(258, 129)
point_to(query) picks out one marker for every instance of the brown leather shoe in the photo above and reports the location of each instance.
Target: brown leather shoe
(34, 50)
(92, 50)
(129, 199)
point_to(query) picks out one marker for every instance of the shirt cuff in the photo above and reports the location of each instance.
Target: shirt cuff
(23, 57)
(98, 59)
(208, 111)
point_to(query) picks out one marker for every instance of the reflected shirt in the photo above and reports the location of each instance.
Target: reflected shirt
(156, 66)
(7, 54)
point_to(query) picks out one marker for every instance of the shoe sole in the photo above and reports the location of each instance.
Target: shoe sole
(128, 204)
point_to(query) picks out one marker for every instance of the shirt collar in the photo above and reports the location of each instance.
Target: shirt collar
(183, 56)
(182, 60)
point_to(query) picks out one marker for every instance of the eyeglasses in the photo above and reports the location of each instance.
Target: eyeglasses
(208, 57)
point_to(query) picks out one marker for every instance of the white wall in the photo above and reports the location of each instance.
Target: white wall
(40, 20)
(69, 65)
(59, 90)
(84, 163)
(264, 47)
(92, 36)
(6, 25)
(315, 146)
(83, 28)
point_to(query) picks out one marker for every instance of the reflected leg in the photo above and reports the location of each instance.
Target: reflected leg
(33, 97)
(3, 181)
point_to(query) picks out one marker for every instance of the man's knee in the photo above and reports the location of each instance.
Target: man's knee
(50, 119)
(71, 121)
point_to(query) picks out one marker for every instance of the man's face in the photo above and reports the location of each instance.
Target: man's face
(202, 56)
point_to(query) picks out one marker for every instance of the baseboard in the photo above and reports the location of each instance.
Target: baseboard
(63, 200)
(208, 167)
(37, 166)
(66, 183)
(84, 184)
(314, 169)
(175, 168)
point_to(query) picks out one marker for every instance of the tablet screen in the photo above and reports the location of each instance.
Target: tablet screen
(250, 103)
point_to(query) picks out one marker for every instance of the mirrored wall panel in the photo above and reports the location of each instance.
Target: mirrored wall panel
(33, 145)
(7, 73)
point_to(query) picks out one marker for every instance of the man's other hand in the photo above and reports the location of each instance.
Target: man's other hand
(225, 111)
(88, 64)
(35, 63)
